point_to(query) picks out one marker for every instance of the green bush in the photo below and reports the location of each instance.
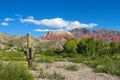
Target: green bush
(12, 56)
(44, 59)
(42, 74)
(65, 55)
(70, 45)
(109, 66)
(54, 76)
(50, 53)
(72, 67)
(14, 71)
(77, 59)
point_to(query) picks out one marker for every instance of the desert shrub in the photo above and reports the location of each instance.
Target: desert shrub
(42, 74)
(77, 59)
(53, 76)
(13, 56)
(44, 59)
(65, 55)
(72, 68)
(70, 45)
(56, 76)
(50, 53)
(61, 66)
(14, 71)
(108, 66)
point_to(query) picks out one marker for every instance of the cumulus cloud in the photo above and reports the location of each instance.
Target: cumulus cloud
(4, 24)
(57, 23)
(76, 24)
(30, 20)
(8, 19)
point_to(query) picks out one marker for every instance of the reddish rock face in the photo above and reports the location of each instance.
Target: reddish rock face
(80, 33)
(57, 35)
(102, 34)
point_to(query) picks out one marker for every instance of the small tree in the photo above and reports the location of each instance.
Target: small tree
(70, 45)
(114, 47)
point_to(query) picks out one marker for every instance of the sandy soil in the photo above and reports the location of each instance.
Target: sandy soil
(84, 72)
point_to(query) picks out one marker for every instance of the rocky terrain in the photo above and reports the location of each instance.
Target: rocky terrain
(56, 35)
(56, 39)
(103, 34)
(80, 33)
(83, 73)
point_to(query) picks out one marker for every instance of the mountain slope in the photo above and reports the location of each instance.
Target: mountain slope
(103, 34)
(57, 35)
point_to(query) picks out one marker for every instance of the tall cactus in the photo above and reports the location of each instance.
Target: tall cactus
(29, 51)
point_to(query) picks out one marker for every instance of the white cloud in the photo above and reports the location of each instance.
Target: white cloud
(41, 30)
(18, 15)
(76, 24)
(46, 30)
(4, 24)
(58, 23)
(30, 20)
(8, 19)
(30, 17)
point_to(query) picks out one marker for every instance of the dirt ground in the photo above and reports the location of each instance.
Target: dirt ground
(84, 72)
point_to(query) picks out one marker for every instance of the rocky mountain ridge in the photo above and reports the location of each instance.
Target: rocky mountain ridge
(56, 39)
(80, 33)
(102, 34)
(56, 35)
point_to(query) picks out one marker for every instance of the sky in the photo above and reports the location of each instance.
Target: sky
(40, 16)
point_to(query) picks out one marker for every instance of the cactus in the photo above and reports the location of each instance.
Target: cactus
(29, 51)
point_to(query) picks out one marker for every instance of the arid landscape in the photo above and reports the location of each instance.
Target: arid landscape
(55, 58)
(59, 40)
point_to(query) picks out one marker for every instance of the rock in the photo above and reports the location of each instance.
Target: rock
(2, 46)
(103, 34)
(57, 35)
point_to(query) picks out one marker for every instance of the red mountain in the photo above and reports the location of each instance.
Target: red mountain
(57, 35)
(105, 35)
(79, 33)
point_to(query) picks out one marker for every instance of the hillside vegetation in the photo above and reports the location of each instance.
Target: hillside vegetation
(102, 57)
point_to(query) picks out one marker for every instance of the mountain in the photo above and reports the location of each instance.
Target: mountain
(14, 41)
(57, 35)
(80, 33)
(56, 39)
(103, 34)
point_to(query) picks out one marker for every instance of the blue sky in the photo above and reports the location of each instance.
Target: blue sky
(40, 16)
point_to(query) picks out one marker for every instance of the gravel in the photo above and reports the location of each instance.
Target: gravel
(84, 72)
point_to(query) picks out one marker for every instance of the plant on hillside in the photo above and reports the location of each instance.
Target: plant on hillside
(29, 52)
(72, 68)
(14, 71)
(70, 46)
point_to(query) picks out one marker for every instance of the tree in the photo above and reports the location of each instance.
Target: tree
(114, 47)
(90, 46)
(86, 46)
(98, 46)
(70, 45)
(82, 47)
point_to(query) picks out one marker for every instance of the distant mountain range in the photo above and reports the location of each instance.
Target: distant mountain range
(80, 33)
(56, 39)
(56, 35)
